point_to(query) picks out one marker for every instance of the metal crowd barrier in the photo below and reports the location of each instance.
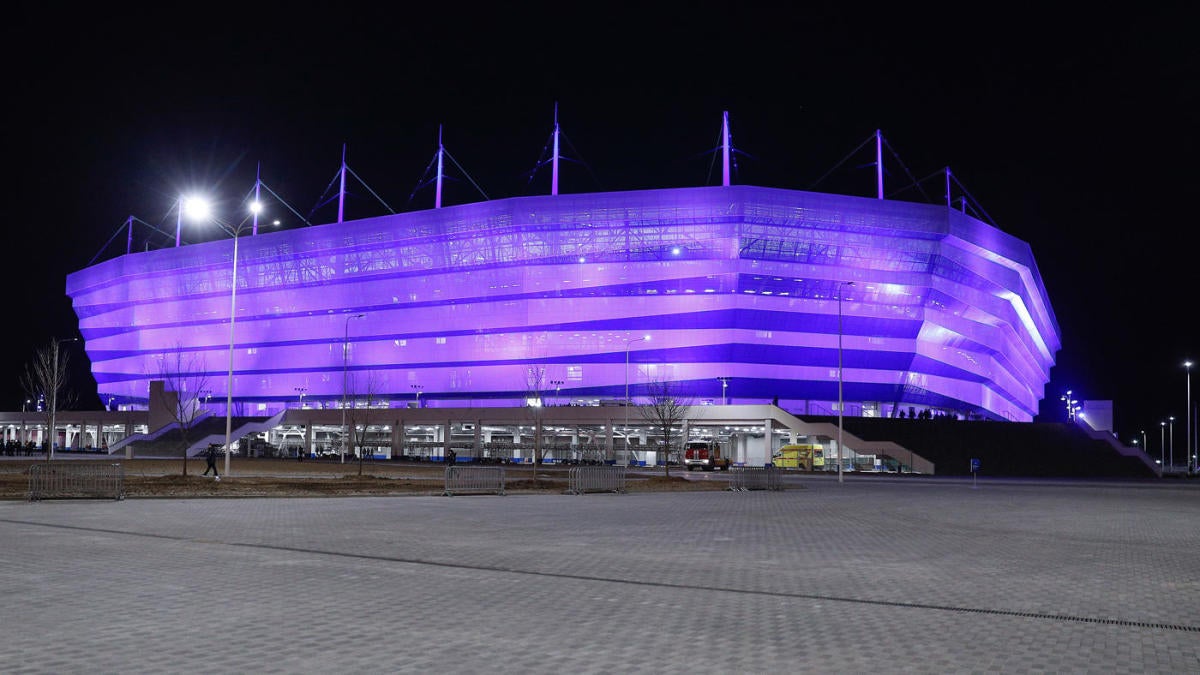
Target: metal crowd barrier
(67, 480)
(743, 478)
(583, 479)
(474, 480)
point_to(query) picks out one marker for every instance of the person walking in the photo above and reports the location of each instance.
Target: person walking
(210, 456)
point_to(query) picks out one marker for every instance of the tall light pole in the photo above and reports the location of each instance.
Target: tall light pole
(839, 448)
(1145, 448)
(1072, 408)
(557, 385)
(1171, 440)
(198, 209)
(54, 387)
(1162, 445)
(724, 386)
(1188, 441)
(301, 391)
(630, 341)
(417, 388)
(345, 349)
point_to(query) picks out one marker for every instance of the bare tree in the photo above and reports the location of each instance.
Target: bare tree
(534, 381)
(667, 409)
(46, 377)
(360, 392)
(185, 382)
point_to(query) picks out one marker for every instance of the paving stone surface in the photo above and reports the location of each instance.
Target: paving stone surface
(904, 576)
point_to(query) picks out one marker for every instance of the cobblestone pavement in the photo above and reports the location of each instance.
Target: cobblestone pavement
(895, 576)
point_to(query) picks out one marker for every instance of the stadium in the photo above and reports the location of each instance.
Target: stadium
(733, 295)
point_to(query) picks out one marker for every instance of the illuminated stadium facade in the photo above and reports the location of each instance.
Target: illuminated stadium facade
(730, 293)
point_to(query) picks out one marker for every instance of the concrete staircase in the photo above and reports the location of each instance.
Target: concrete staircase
(169, 442)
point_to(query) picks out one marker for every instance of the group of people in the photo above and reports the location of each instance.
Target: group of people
(15, 448)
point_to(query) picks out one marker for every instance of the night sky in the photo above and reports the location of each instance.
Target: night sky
(1075, 133)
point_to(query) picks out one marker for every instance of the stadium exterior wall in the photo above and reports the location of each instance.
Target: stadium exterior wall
(463, 303)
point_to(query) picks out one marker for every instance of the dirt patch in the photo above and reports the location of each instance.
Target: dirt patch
(150, 478)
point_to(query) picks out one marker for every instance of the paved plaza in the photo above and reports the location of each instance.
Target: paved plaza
(870, 576)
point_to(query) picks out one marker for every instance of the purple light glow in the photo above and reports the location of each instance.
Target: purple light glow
(737, 281)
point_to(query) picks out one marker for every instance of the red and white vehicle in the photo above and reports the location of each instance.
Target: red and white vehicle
(706, 455)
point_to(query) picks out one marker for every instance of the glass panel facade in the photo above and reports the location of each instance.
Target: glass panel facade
(735, 282)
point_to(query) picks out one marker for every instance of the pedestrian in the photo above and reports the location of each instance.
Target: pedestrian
(210, 456)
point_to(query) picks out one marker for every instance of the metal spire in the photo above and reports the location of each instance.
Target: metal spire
(725, 149)
(879, 163)
(437, 199)
(342, 189)
(554, 164)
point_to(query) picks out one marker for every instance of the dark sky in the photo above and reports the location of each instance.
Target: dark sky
(1075, 132)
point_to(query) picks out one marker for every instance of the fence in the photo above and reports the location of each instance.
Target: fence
(85, 480)
(596, 479)
(743, 478)
(474, 480)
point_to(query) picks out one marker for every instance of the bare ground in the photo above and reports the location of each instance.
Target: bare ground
(149, 478)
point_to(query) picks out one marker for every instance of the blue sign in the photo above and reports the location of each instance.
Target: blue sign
(974, 465)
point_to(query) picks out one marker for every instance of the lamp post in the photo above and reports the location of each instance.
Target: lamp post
(630, 341)
(557, 385)
(1188, 441)
(198, 209)
(839, 448)
(417, 388)
(1171, 440)
(345, 349)
(1072, 408)
(724, 386)
(1145, 447)
(1162, 445)
(301, 391)
(54, 387)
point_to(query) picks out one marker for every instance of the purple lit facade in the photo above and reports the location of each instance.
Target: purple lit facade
(734, 282)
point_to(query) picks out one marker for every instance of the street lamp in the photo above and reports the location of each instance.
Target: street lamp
(839, 448)
(557, 385)
(1188, 412)
(198, 209)
(724, 386)
(195, 208)
(345, 349)
(417, 388)
(54, 387)
(1071, 407)
(630, 341)
(25, 406)
(1145, 447)
(1162, 444)
(301, 391)
(1171, 440)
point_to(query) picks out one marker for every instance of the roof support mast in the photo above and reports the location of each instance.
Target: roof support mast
(725, 149)
(554, 164)
(879, 163)
(342, 189)
(257, 185)
(437, 195)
